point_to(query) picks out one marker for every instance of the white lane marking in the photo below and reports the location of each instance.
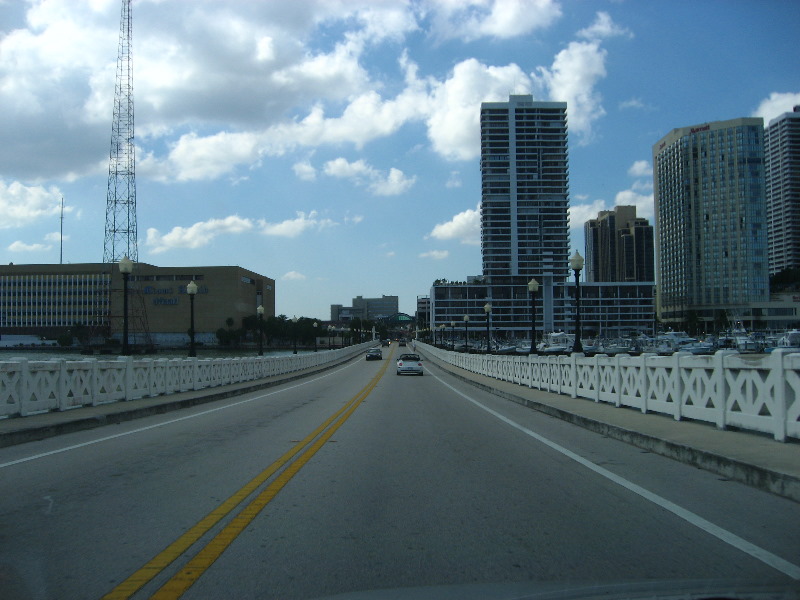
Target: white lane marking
(765, 556)
(170, 422)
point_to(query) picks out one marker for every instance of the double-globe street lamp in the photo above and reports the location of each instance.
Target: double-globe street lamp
(533, 287)
(191, 289)
(487, 308)
(576, 264)
(260, 311)
(126, 268)
(315, 335)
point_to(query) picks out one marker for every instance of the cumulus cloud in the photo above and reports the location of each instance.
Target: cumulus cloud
(454, 119)
(293, 276)
(640, 194)
(603, 28)
(197, 235)
(580, 213)
(572, 79)
(23, 247)
(640, 168)
(361, 173)
(225, 89)
(473, 19)
(464, 227)
(435, 254)
(22, 205)
(305, 171)
(292, 228)
(454, 180)
(777, 104)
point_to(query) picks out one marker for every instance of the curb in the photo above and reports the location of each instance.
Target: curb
(780, 484)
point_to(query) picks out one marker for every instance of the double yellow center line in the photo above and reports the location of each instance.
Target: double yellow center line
(205, 557)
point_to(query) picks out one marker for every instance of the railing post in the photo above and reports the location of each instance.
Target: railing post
(678, 379)
(598, 376)
(617, 381)
(62, 385)
(573, 362)
(24, 387)
(196, 374)
(720, 386)
(778, 374)
(128, 381)
(644, 383)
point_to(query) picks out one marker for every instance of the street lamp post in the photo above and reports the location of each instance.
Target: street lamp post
(260, 311)
(533, 287)
(487, 308)
(576, 264)
(191, 289)
(315, 335)
(294, 333)
(466, 334)
(330, 337)
(453, 334)
(126, 268)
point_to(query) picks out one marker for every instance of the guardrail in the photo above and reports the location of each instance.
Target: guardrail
(30, 387)
(752, 392)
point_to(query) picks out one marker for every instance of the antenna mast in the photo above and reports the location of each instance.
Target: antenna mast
(121, 235)
(61, 235)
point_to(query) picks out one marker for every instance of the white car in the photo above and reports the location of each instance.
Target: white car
(409, 363)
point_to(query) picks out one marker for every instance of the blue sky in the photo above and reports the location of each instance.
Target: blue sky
(333, 145)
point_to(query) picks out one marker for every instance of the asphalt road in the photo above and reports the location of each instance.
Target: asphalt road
(419, 481)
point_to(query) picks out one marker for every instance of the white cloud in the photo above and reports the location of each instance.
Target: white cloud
(603, 28)
(22, 205)
(197, 235)
(473, 19)
(572, 79)
(641, 168)
(394, 184)
(454, 117)
(353, 220)
(293, 276)
(643, 202)
(454, 180)
(23, 247)
(196, 158)
(777, 104)
(580, 213)
(634, 103)
(464, 227)
(55, 237)
(305, 171)
(342, 168)
(435, 254)
(361, 173)
(294, 227)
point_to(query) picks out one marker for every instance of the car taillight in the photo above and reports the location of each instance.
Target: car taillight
(400, 364)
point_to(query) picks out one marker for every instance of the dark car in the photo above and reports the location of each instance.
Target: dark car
(374, 354)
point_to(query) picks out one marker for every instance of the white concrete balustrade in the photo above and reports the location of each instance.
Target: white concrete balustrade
(30, 387)
(747, 391)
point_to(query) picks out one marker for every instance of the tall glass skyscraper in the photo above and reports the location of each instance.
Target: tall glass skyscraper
(782, 146)
(525, 190)
(710, 213)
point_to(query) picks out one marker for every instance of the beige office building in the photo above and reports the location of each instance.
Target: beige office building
(48, 299)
